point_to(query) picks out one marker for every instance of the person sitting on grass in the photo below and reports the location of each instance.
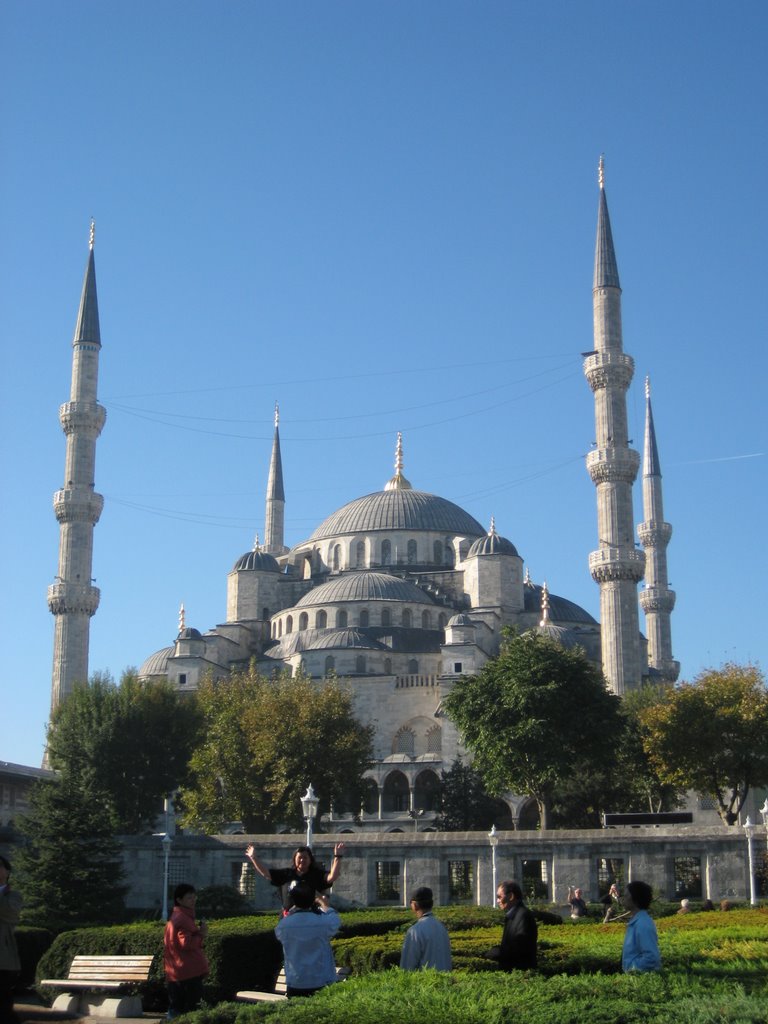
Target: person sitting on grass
(641, 942)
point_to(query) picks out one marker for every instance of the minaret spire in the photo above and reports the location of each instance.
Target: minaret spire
(72, 598)
(616, 566)
(398, 481)
(274, 519)
(656, 599)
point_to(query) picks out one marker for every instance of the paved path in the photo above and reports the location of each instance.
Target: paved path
(35, 1013)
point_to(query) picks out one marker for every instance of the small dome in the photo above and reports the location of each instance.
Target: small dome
(157, 663)
(259, 561)
(560, 608)
(492, 544)
(190, 634)
(559, 635)
(364, 586)
(460, 620)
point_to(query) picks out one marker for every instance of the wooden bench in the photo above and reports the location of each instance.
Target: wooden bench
(101, 986)
(342, 973)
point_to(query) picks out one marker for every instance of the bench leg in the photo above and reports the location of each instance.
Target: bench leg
(67, 1002)
(111, 1006)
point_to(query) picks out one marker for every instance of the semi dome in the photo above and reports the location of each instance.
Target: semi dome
(337, 639)
(399, 509)
(364, 586)
(559, 634)
(492, 544)
(157, 663)
(462, 619)
(257, 560)
(560, 608)
(190, 633)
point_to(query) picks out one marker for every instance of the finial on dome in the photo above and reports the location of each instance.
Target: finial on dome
(647, 387)
(544, 605)
(527, 579)
(92, 234)
(277, 415)
(601, 171)
(492, 531)
(181, 617)
(256, 544)
(398, 481)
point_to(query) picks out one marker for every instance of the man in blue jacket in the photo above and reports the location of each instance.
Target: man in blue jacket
(305, 934)
(641, 943)
(426, 942)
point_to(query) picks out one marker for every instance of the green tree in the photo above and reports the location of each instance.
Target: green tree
(464, 804)
(130, 743)
(69, 868)
(264, 740)
(532, 714)
(711, 735)
(642, 784)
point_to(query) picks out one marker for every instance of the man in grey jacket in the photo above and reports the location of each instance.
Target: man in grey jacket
(426, 942)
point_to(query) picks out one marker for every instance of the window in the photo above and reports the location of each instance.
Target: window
(289, 624)
(687, 872)
(341, 619)
(386, 552)
(321, 619)
(405, 741)
(411, 552)
(395, 795)
(610, 871)
(407, 617)
(413, 666)
(457, 667)
(365, 618)
(360, 554)
(461, 881)
(426, 791)
(265, 612)
(388, 884)
(182, 678)
(386, 617)
(441, 620)
(280, 627)
(438, 549)
(434, 740)
(303, 620)
(336, 557)
(360, 663)
(534, 883)
(330, 664)
(426, 620)
(387, 666)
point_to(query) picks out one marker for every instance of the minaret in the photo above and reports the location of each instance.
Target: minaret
(616, 566)
(73, 599)
(656, 599)
(274, 518)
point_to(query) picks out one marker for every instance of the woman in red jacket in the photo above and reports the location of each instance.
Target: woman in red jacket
(185, 962)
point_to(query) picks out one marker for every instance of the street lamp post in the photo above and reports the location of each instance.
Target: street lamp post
(166, 841)
(414, 814)
(309, 804)
(749, 829)
(493, 839)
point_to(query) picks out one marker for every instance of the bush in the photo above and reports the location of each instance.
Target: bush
(218, 901)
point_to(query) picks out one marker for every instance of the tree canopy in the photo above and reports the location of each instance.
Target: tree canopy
(128, 743)
(711, 735)
(264, 741)
(464, 804)
(532, 715)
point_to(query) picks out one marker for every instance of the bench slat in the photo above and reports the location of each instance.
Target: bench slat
(104, 972)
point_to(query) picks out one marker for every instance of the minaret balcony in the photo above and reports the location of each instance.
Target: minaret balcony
(78, 505)
(73, 597)
(613, 464)
(610, 564)
(609, 369)
(88, 417)
(654, 533)
(657, 599)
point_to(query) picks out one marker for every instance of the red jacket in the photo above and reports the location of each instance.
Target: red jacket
(183, 954)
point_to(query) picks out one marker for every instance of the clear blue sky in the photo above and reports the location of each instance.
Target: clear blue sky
(382, 215)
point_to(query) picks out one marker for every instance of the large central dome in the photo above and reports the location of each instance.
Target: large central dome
(399, 510)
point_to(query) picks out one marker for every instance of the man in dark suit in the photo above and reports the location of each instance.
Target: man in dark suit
(518, 940)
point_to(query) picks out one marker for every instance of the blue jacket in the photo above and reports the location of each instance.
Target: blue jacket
(306, 938)
(426, 945)
(641, 944)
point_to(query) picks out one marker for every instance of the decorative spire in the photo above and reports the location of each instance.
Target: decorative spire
(651, 463)
(87, 331)
(398, 481)
(492, 531)
(92, 234)
(256, 545)
(606, 268)
(277, 415)
(601, 171)
(527, 581)
(544, 605)
(182, 618)
(274, 513)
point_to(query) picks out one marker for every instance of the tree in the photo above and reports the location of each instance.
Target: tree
(264, 741)
(532, 714)
(69, 868)
(464, 804)
(643, 785)
(130, 743)
(711, 735)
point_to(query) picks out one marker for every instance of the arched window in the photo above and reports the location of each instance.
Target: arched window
(435, 740)
(441, 620)
(330, 664)
(386, 617)
(386, 552)
(404, 742)
(307, 569)
(387, 666)
(365, 618)
(303, 620)
(411, 552)
(360, 554)
(413, 666)
(360, 663)
(336, 557)
(341, 619)
(449, 552)
(321, 619)
(289, 624)
(395, 795)
(407, 617)
(426, 620)
(274, 631)
(426, 791)
(280, 627)
(265, 613)
(438, 549)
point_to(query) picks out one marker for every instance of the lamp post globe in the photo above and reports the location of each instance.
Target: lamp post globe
(309, 804)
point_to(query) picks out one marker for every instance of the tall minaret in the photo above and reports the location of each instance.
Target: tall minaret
(656, 599)
(73, 599)
(274, 517)
(616, 566)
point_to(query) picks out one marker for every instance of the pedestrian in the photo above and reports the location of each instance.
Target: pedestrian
(304, 868)
(305, 933)
(577, 902)
(185, 962)
(641, 942)
(10, 965)
(517, 950)
(426, 943)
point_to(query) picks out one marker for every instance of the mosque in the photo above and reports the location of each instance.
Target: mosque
(400, 592)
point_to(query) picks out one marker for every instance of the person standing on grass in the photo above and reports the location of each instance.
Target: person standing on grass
(518, 940)
(305, 934)
(185, 962)
(10, 965)
(426, 943)
(641, 942)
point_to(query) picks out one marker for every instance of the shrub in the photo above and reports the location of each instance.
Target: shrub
(218, 901)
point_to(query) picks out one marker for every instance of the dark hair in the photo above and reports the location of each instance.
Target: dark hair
(302, 896)
(641, 894)
(303, 849)
(511, 889)
(423, 898)
(6, 863)
(182, 889)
